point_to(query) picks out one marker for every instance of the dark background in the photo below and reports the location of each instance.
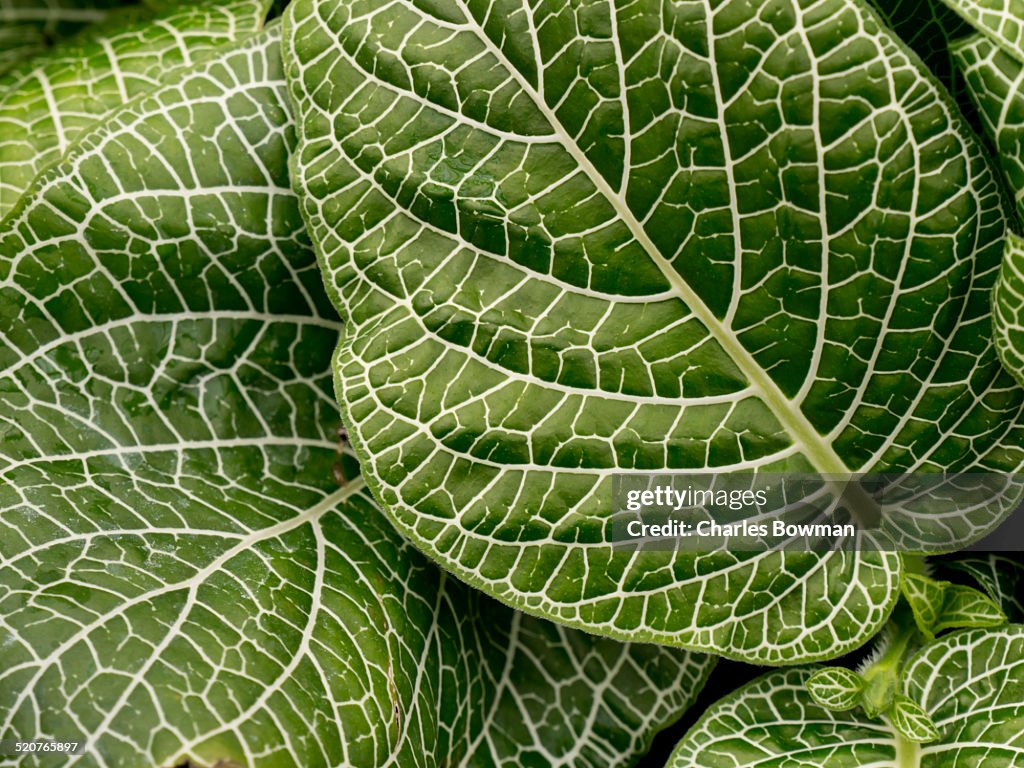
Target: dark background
(727, 676)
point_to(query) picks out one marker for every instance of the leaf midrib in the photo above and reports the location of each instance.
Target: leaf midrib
(193, 583)
(815, 448)
(197, 579)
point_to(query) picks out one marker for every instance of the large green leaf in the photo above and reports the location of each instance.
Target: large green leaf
(571, 241)
(184, 572)
(970, 685)
(29, 26)
(46, 103)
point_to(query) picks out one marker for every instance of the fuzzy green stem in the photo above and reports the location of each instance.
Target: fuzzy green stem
(882, 676)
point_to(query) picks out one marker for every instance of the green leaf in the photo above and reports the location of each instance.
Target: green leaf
(926, 598)
(941, 605)
(740, 242)
(1002, 21)
(970, 685)
(967, 607)
(996, 84)
(912, 722)
(1008, 303)
(836, 688)
(48, 102)
(27, 27)
(994, 80)
(1002, 578)
(181, 575)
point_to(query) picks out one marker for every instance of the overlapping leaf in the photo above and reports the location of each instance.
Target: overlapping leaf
(940, 605)
(571, 241)
(929, 27)
(995, 80)
(1008, 300)
(1002, 21)
(970, 685)
(1001, 576)
(184, 570)
(47, 102)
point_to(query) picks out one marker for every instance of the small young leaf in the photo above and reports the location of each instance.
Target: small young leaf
(926, 598)
(836, 688)
(941, 605)
(911, 721)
